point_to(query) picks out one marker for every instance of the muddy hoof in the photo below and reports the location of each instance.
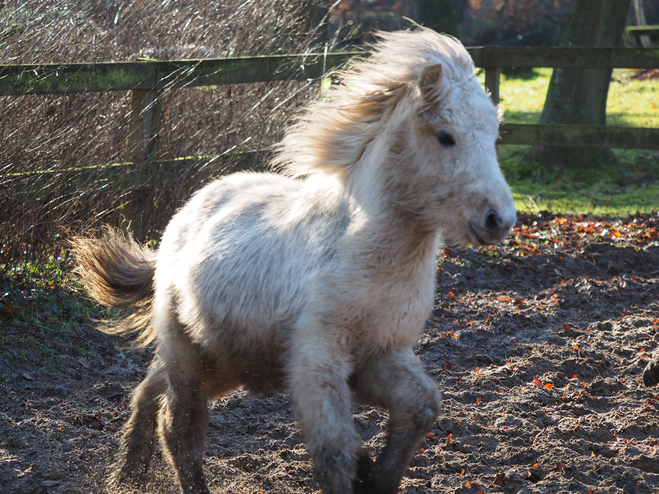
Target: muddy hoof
(651, 373)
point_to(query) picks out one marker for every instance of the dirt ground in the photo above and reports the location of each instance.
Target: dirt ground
(538, 346)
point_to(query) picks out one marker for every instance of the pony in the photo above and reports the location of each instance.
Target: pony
(317, 279)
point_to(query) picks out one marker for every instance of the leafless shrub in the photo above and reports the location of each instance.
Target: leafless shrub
(43, 135)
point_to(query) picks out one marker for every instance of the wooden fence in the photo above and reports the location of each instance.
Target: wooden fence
(146, 79)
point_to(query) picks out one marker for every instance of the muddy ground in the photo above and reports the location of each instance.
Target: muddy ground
(538, 346)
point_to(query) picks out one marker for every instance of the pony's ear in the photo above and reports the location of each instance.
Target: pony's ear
(429, 81)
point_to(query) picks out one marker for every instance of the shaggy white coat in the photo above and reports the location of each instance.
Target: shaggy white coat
(321, 285)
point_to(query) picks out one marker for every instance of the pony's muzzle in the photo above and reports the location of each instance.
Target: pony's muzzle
(492, 227)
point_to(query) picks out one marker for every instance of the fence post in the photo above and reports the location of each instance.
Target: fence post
(492, 77)
(141, 148)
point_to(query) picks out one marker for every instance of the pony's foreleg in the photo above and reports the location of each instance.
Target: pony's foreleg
(138, 439)
(318, 375)
(396, 381)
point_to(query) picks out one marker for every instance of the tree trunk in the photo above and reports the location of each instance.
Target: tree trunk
(639, 16)
(578, 96)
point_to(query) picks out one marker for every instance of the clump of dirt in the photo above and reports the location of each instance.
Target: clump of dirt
(538, 346)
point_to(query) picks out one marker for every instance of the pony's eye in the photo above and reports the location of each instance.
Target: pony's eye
(445, 139)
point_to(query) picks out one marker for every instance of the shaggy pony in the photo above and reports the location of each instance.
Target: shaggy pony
(318, 282)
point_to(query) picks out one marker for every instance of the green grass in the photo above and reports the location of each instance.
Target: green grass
(626, 186)
(631, 102)
(45, 313)
(607, 189)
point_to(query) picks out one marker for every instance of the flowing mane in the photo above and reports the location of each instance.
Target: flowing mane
(331, 135)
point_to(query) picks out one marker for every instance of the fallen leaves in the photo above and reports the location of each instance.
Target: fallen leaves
(539, 383)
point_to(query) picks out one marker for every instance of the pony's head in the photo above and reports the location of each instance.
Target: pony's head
(410, 127)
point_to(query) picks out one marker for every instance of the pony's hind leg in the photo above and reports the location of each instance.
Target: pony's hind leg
(138, 439)
(183, 419)
(397, 382)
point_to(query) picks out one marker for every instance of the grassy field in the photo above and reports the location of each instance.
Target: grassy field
(629, 185)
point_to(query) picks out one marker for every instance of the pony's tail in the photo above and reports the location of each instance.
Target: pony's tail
(118, 272)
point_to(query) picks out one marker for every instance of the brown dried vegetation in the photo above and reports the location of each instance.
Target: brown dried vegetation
(62, 131)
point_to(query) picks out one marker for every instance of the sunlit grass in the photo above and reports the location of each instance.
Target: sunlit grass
(522, 98)
(632, 102)
(629, 185)
(532, 197)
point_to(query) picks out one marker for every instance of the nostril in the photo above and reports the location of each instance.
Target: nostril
(492, 221)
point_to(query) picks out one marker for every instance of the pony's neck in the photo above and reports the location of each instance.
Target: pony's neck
(387, 227)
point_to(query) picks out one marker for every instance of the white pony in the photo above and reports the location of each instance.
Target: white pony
(318, 282)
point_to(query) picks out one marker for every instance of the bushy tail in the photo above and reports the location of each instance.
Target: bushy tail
(118, 272)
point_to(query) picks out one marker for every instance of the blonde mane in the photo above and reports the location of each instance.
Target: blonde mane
(331, 135)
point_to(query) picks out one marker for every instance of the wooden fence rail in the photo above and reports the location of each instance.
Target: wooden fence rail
(146, 79)
(153, 74)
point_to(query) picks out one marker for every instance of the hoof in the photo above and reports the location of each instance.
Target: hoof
(651, 373)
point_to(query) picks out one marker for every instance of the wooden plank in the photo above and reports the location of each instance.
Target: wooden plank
(640, 30)
(579, 136)
(77, 77)
(141, 144)
(123, 76)
(492, 79)
(144, 123)
(476, 54)
(570, 58)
